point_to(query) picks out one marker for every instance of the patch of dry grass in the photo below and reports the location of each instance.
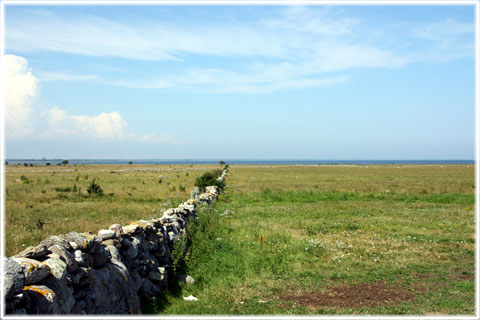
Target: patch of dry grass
(36, 206)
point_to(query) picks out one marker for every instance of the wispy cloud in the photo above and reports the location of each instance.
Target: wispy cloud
(443, 41)
(46, 76)
(292, 47)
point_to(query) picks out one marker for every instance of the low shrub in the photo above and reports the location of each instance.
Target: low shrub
(94, 189)
(209, 178)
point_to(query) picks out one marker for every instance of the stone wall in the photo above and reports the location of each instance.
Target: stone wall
(104, 273)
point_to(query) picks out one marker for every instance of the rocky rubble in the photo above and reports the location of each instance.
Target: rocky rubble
(104, 273)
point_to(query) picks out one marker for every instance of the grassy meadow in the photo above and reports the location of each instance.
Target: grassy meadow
(332, 240)
(50, 200)
(382, 239)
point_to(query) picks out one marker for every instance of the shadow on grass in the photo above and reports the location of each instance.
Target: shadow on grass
(161, 302)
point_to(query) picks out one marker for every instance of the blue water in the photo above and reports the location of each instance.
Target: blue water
(231, 161)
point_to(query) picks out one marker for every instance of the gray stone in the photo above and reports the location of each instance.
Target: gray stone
(53, 256)
(137, 241)
(57, 240)
(74, 245)
(115, 254)
(33, 270)
(82, 277)
(186, 279)
(117, 228)
(58, 283)
(79, 307)
(130, 250)
(190, 207)
(100, 254)
(79, 239)
(81, 258)
(34, 252)
(169, 212)
(21, 311)
(72, 264)
(131, 229)
(149, 289)
(158, 275)
(39, 299)
(106, 234)
(145, 225)
(172, 236)
(114, 291)
(113, 242)
(14, 278)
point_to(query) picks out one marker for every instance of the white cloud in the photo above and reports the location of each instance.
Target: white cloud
(107, 126)
(26, 114)
(21, 89)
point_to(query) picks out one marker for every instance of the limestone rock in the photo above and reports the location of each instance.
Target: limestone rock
(149, 289)
(34, 252)
(117, 228)
(39, 299)
(81, 258)
(74, 245)
(57, 240)
(58, 284)
(169, 212)
(72, 264)
(21, 311)
(33, 270)
(14, 278)
(112, 242)
(114, 291)
(106, 234)
(131, 229)
(130, 250)
(114, 253)
(186, 279)
(79, 239)
(136, 241)
(100, 254)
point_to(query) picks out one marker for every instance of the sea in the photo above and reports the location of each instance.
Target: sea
(232, 161)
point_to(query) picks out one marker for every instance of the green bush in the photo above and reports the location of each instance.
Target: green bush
(94, 189)
(209, 178)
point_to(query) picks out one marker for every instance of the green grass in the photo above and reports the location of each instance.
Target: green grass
(268, 239)
(322, 227)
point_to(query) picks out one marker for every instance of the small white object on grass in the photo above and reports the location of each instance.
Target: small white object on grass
(190, 298)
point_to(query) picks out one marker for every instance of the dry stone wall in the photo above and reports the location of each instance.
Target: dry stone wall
(105, 273)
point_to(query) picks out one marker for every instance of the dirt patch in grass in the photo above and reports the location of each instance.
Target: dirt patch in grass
(352, 296)
(458, 274)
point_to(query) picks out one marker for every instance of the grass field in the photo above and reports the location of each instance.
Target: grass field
(333, 240)
(281, 239)
(42, 200)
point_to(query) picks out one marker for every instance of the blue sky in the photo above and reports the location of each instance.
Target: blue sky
(249, 82)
